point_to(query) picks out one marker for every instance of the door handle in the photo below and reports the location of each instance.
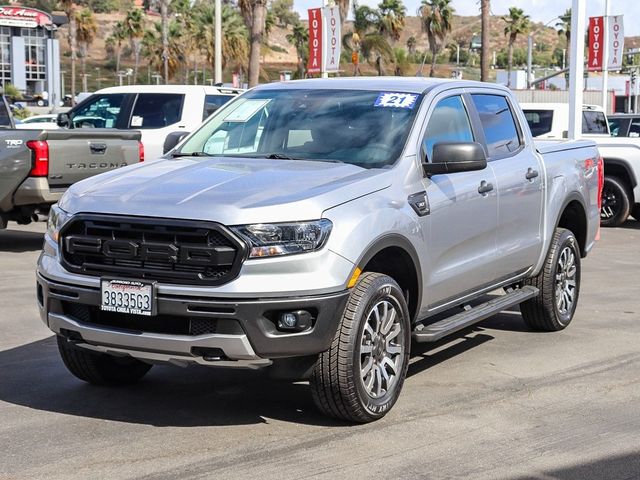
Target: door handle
(531, 174)
(485, 187)
(98, 148)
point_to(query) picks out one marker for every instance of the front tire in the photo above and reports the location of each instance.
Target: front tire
(616, 204)
(559, 284)
(100, 368)
(360, 377)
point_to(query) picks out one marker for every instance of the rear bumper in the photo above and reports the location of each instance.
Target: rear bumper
(248, 336)
(36, 191)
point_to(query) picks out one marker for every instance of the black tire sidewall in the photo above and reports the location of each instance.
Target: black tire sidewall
(620, 191)
(384, 288)
(566, 239)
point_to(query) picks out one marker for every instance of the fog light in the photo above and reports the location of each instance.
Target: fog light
(296, 321)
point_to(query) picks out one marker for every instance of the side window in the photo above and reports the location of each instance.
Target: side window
(634, 129)
(449, 122)
(540, 121)
(594, 122)
(101, 111)
(156, 110)
(214, 102)
(498, 124)
(615, 126)
(241, 130)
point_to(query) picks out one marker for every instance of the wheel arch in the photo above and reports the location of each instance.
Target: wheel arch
(394, 255)
(618, 167)
(573, 216)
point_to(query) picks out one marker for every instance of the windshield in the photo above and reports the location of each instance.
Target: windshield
(540, 121)
(364, 128)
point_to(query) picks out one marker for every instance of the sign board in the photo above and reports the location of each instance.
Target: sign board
(615, 40)
(315, 41)
(23, 17)
(332, 39)
(596, 38)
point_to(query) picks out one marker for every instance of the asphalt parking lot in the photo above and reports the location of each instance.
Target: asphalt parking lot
(495, 402)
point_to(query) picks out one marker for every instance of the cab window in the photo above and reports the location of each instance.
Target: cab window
(498, 124)
(214, 102)
(101, 111)
(449, 122)
(156, 110)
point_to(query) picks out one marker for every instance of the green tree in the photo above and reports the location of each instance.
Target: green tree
(70, 9)
(134, 31)
(154, 49)
(299, 38)
(437, 17)
(282, 11)
(485, 15)
(412, 43)
(87, 28)
(115, 41)
(366, 40)
(564, 30)
(391, 19)
(254, 13)
(517, 23)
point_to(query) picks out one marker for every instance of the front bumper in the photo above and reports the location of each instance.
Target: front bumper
(243, 331)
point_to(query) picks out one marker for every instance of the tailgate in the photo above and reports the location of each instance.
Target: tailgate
(77, 154)
(15, 163)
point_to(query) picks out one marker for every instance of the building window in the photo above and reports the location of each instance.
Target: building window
(5, 56)
(34, 53)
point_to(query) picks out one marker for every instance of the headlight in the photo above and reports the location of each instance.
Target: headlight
(57, 218)
(275, 239)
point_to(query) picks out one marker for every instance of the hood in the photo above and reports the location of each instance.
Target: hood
(231, 191)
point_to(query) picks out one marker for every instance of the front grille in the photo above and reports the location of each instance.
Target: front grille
(172, 251)
(167, 324)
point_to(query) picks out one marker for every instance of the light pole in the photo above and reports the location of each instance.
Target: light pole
(218, 43)
(576, 67)
(98, 77)
(605, 55)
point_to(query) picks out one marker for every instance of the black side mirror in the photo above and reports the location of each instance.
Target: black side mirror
(173, 139)
(63, 120)
(451, 157)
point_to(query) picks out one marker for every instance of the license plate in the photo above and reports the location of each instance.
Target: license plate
(128, 296)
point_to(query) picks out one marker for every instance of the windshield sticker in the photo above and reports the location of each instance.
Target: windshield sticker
(396, 100)
(246, 110)
(136, 121)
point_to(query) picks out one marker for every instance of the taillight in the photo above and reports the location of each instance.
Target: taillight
(40, 158)
(600, 180)
(141, 151)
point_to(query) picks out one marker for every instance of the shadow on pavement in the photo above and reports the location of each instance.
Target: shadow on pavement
(631, 224)
(34, 376)
(617, 467)
(20, 241)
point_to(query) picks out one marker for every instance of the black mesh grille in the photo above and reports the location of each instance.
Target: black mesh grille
(154, 249)
(167, 324)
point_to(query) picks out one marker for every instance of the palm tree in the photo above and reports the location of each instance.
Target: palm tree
(391, 21)
(117, 37)
(134, 31)
(485, 11)
(437, 16)
(564, 29)
(411, 44)
(164, 26)
(235, 37)
(69, 8)
(517, 23)
(299, 38)
(86, 29)
(154, 49)
(254, 13)
(366, 39)
(343, 7)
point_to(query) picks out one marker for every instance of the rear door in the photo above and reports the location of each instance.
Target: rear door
(519, 178)
(462, 222)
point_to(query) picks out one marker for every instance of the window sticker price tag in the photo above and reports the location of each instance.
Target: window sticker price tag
(396, 100)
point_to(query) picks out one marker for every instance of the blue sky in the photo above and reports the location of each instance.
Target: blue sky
(539, 10)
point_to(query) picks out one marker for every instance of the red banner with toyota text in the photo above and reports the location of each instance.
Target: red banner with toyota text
(315, 41)
(596, 43)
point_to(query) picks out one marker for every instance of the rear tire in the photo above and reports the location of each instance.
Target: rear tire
(360, 377)
(559, 284)
(100, 368)
(616, 203)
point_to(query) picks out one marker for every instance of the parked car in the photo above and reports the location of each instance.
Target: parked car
(40, 122)
(39, 165)
(621, 192)
(155, 110)
(625, 125)
(315, 227)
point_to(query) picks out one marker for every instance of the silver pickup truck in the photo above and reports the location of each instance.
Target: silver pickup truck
(316, 228)
(37, 166)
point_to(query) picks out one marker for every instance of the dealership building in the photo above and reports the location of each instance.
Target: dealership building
(29, 51)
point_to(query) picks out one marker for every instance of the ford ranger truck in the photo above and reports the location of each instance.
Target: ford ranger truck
(37, 166)
(316, 228)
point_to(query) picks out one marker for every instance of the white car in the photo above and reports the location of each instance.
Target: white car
(155, 110)
(39, 122)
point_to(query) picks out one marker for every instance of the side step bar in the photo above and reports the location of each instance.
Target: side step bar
(438, 330)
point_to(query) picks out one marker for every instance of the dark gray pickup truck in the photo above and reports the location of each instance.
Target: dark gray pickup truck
(37, 166)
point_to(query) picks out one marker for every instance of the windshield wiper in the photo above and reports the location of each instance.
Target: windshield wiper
(191, 154)
(280, 156)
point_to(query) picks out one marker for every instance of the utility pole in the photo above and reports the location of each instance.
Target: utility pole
(485, 10)
(529, 60)
(576, 67)
(164, 14)
(217, 74)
